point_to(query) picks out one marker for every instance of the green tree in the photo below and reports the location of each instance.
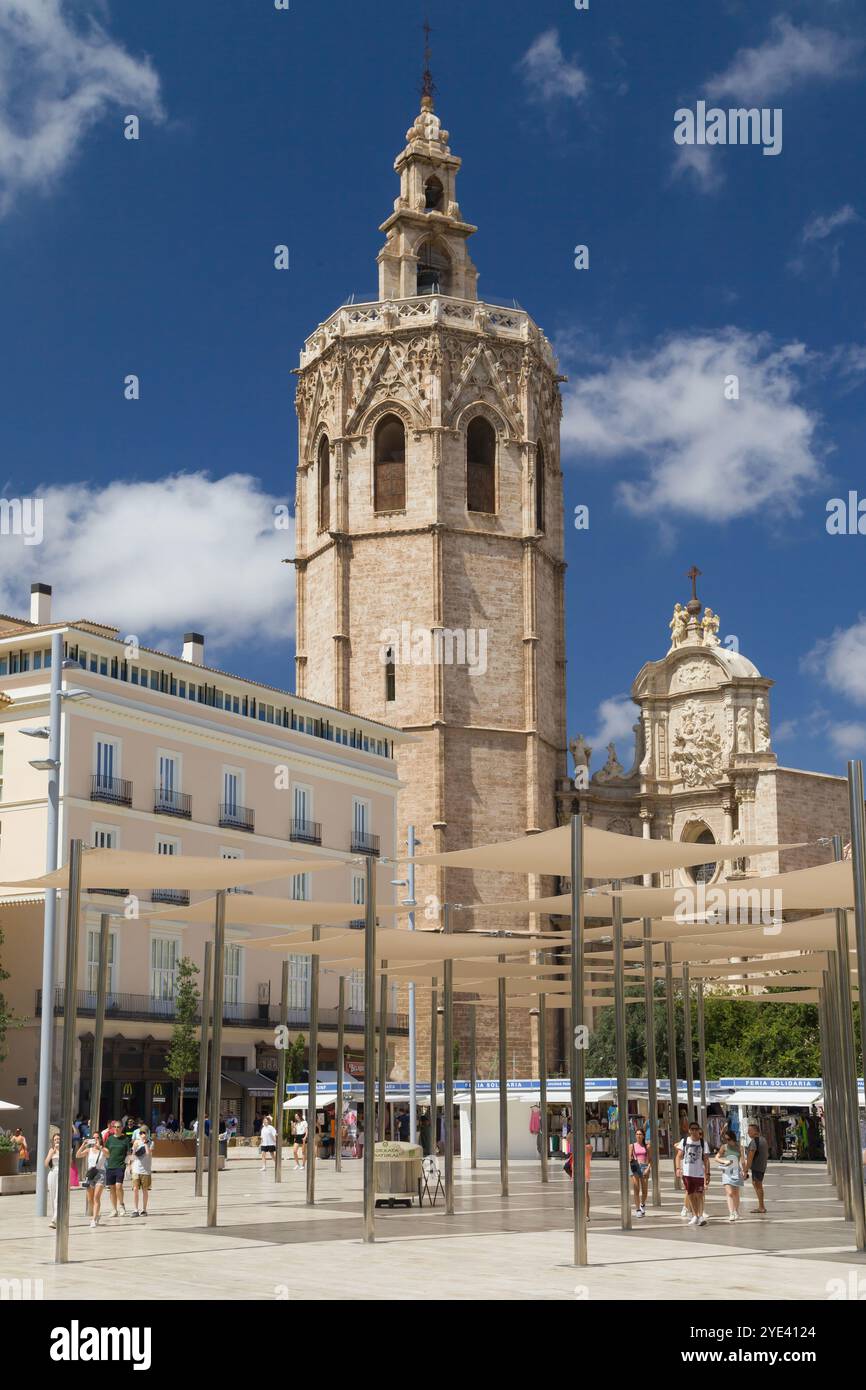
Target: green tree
(7, 1018)
(295, 1056)
(183, 1049)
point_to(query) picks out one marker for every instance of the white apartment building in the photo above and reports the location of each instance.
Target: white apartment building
(167, 755)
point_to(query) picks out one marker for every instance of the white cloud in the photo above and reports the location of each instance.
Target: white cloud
(616, 717)
(848, 740)
(840, 661)
(58, 77)
(792, 53)
(698, 162)
(819, 227)
(702, 454)
(547, 73)
(822, 234)
(161, 557)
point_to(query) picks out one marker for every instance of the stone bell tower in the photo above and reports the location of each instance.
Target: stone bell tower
(430, 547)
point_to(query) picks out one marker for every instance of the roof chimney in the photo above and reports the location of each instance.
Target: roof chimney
(193, 648)
(40, 604)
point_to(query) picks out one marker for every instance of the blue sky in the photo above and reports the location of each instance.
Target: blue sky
(260, 127)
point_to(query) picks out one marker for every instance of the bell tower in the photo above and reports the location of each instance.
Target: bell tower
(429, 526)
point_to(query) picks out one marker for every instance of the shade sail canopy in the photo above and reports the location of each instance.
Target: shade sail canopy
(244, 909)
(606, 854)
(135, 869)
(396, 945)
(822, 887)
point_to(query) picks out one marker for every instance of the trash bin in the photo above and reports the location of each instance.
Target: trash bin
(397, 1173)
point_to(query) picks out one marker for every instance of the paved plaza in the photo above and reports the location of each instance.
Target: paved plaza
(270, 1245)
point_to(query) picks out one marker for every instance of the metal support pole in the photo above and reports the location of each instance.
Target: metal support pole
(280, 1117)
(219, 976)
(702, 1052)
(687, 1043)
(825, 1077)
(578, 1050)
(542, 1080)
(370, 1052)
(503, 1086)
(652, 1081)
(473, 1078)
(49, 928)
(858, 865)
(338, 1109)
(434, 1062)
(73, 916)
(202, 1066)
(413, 1056)
(448, 1045)
(99, 1022)
(831, 1086)
(672, 1057)
(849, 1055)
(313, 1073)
(621, 1065)
(383, 1051)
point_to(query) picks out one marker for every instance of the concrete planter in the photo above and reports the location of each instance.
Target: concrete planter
(174, 1148)
(8, 1164)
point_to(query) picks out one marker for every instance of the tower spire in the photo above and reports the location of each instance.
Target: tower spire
(428, 86)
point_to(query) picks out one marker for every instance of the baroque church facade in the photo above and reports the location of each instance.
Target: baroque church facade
(430, 595)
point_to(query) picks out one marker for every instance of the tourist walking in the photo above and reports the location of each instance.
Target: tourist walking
(23, 1151)
(730, 1160)
(299, 1139)
(692, 1159)
(52, 1163)
(269, 1141)
(117, 1147)
(142, 1168)
(95, 1155)
(639, 1157)
(568, 1167)
(757, 1153)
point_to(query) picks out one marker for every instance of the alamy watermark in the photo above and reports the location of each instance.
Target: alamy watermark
(22, 516)
(740, 906)
(737, 126)
(438, 646)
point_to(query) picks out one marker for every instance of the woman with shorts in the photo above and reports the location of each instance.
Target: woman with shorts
(730, 1160)
(95, 1156)
(639, 1162)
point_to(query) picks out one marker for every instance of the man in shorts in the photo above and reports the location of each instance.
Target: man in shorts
(118, 1145)
(693, 1166)
(757, 1153)
(142, 1167)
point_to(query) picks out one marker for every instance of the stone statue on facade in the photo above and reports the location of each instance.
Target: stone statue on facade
(744, 732)
(613, 767)
(762, 726)
(710, 627)
(678, 625)
(697, 747)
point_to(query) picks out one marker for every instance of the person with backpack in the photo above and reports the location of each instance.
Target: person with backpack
(142, 1168)
(692, 1159)
(639, 1158)
(730, 1160)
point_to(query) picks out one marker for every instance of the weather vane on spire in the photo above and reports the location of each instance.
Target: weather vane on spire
(427, 85)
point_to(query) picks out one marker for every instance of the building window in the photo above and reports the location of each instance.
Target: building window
(301, 888)
(356, 991)
(107, 763)
(434, 194)
(390, 680)
(434, 269)
(167, 846)
(163, 967)
(2, 753)
(539, 487)
(702, 873)
(480, 466)
(104, 837)
(389, 465)
(93, 962)
(299, 982)
(233, 975)
(324, 484)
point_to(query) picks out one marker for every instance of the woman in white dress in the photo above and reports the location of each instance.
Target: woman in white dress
(52, 1163)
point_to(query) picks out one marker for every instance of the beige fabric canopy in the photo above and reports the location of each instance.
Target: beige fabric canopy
(252, 910)
(606, 854)
(135, 869)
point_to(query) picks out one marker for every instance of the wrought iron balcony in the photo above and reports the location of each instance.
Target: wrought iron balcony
(178, 896)
(364, 843)
(168, 802)
(236, 817)
(307, 832)
(148, 1008)
(115, 790)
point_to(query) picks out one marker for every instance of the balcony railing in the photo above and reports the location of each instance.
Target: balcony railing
(147, 1008)
(307, 832)
(364, 843)
(171, 803)
(111, 892)
(178, 896)
(237, 817)
(114, 790)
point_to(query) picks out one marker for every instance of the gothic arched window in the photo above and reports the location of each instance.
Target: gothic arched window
(480, 466)
(539, 487)
(389, 465)
(433, 194)
(434, 269)
(324, 484)
(702, 873)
